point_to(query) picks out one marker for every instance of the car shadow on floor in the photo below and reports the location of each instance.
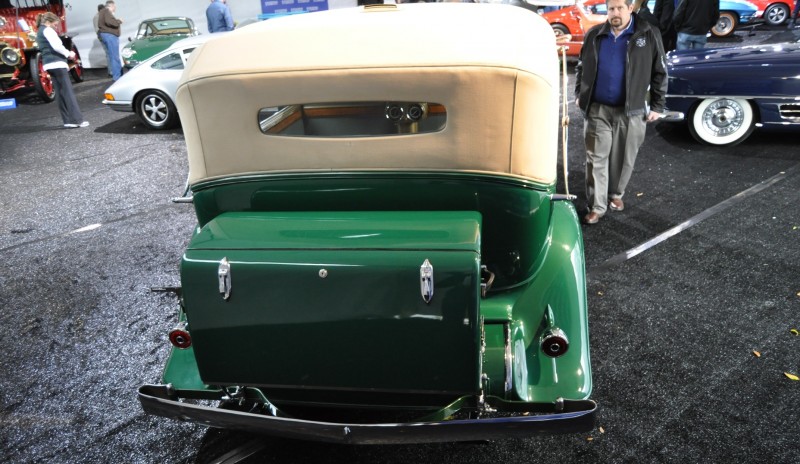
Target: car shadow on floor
(133, 126)
(782, 144)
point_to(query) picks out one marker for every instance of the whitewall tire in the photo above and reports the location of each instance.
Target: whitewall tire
(722, 121)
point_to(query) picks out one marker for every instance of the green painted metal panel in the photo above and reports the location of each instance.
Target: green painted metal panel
(560, 284)
(362, 324)
(181, 370)
(533, 244)
(494, 358)
(378, 230)
(515, 213)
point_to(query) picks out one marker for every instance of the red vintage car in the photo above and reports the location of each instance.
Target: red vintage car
(20, 60)
(574, 20)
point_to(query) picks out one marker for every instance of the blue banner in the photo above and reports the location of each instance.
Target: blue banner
(271, 8)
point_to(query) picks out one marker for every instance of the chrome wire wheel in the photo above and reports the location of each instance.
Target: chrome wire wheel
(722, 121)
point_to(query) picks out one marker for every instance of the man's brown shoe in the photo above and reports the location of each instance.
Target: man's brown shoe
(592, 218)
(616, 204)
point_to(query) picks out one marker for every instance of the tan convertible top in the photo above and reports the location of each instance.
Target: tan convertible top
(494, 68)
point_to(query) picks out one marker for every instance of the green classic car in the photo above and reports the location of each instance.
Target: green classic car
(381, 255)
(155, 35)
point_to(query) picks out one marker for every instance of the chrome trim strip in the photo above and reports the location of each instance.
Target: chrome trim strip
(786, 122)
(124, 106)
(745, 97)
(508, 358)
(672, 116)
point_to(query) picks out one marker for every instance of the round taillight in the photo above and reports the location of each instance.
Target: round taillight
(554, 342)
(180, 338)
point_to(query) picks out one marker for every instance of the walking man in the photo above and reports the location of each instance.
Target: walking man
(621, 67)
(109, 28)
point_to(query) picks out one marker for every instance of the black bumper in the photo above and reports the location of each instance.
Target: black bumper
(575, 416)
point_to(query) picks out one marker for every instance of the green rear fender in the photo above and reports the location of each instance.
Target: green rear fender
(560, 284)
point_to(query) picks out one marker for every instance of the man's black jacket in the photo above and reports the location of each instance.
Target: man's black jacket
(645, 68)
(696, 17)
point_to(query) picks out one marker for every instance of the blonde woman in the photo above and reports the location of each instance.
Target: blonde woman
(54, 58)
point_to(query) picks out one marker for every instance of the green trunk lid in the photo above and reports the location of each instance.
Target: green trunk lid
(333, 301)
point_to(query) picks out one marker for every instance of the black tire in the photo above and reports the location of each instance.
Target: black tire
(156, 110)
(42, 82)
(776, 14)
(76, 67)
(560, 29)
(726, 24)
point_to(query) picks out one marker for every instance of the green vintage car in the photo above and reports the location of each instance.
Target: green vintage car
(155, 35)
(381, 255)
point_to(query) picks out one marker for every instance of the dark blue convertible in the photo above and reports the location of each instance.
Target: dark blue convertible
(726, 93)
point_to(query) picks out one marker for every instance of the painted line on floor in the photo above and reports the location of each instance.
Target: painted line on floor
(719, 207)
(82, 229)
(85, 229)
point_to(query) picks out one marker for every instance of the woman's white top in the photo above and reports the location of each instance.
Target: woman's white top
(52, 36)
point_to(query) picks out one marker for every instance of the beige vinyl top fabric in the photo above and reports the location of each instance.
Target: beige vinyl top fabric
(493, 67)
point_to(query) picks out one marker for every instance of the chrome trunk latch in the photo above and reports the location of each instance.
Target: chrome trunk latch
(426, 281)
(224, 276)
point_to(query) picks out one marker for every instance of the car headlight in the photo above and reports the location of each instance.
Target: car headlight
(3, 21)
(127, 53)
(10, 56)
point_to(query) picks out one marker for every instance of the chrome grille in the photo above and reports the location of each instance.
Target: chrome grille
(791, 111)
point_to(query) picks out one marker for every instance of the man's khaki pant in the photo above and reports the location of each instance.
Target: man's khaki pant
(612, 141)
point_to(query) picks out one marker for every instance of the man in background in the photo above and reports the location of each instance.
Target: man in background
(693, 19)
(621, 67)
(663, 11)
(109, 29)
(219, 17)
(96, 23)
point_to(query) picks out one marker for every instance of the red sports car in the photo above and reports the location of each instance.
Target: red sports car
(773, 12)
